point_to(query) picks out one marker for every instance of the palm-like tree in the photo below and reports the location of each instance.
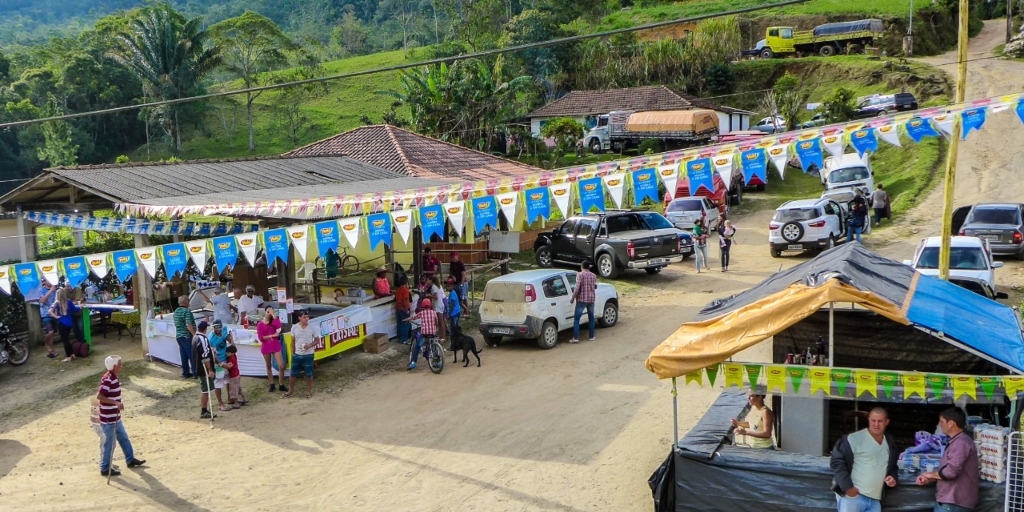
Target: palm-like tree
(170, 55)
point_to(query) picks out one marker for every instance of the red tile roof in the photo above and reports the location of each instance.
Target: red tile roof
(409, 153)
(583, 103)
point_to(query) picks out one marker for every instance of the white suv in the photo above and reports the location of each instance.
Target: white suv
(969, 257)
(535, 305)
(806, 224)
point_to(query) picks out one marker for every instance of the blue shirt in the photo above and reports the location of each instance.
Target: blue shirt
(45, 304)
(454, 308)
(220, 343)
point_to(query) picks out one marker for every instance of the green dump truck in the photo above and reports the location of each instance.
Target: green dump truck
(825, 40)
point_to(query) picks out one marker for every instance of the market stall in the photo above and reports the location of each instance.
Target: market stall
(850, 330)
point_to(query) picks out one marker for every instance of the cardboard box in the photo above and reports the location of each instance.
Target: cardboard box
(375, 343)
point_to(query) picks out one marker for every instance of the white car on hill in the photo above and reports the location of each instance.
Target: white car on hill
(969, 257)
(535, 305)
(806, 224)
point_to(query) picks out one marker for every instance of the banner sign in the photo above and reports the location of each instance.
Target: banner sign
(560, 192)
(138, 226)
(918, 129)
(754, 164)
(125, 264)
(403, 223)
(864, 141)
(98, 264)
(247, 243)
(485, 213)
(48, 269)
(616, 183)
(508, 203)
(973, 119)
(275, 242)
(175, 259)
(809, 153)
(669, 177)
(378, 228)
(27, 276)
(225, 252)
(723, 166)
(432, 222)
(350, 227)
(299, 238)
(591, 195)
(339, 331)
(538, 204)
(456, 213)
(701, 174)
(645, 186)
(327, 237)
(197, 251)
(5, 279)
(76, 270)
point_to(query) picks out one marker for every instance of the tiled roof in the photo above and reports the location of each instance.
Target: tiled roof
(703, 103)
(411, 154)
(583, 103)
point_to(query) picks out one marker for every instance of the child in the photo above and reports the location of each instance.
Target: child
(428, 329)
(236, 397)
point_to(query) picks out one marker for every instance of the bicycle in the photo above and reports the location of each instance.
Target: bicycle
(433, 351)
(346, 261)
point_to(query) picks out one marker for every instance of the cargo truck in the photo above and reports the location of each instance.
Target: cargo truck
(825, 40)
(626, 129)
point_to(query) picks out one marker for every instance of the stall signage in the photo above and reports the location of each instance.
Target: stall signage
(225, 252)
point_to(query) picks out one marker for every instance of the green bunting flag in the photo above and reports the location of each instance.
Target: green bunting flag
(988, 385)
(842, 378)
(753, 373)
(712, 372)
(888, 381)
(694, 376)
(937, 383)
(796, 376)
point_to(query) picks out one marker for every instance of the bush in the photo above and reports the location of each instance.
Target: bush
(649, 147)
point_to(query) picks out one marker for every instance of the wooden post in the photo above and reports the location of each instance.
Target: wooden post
(143, 292)
(417, 255)
(1009, 20)
(954, 143)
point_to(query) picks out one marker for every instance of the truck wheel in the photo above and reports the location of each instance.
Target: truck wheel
(606, 266)
(544, 259)
(595, 146)
(827, 50)
(548, 336)
(883, 113)
(767, 53)
(492, 341)
(776, 253)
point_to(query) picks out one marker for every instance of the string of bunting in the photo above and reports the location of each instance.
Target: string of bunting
(138, 226)
(697, 165)
(851, 383)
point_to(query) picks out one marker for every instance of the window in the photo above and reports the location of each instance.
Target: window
(829, 210)
(960, 258)
(787, 33)
(995, 216)
(684, 205)
(586, 228)
(796, 214)
(621, 223)
(572, 280)
(554, 287)
(773, 32)
(568, 227)
(655, 220)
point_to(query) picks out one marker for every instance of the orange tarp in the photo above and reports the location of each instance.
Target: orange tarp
(696, 120)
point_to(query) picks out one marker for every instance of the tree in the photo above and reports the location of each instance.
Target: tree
(715, 42)
(839, 106)
(57, 149)
(289, 118)
(250, 44)
(350, 35)
(566, 132)
(788, 100)
(170, 55)
(403, 12)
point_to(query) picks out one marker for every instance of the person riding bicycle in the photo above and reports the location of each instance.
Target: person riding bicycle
(428, 329)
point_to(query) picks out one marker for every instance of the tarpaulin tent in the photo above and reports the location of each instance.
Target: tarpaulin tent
(846, 27)
(848, 274)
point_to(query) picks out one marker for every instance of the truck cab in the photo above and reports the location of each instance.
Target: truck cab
(850, 171)
(598, 139)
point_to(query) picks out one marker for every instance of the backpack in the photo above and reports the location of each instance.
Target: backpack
(80, 349)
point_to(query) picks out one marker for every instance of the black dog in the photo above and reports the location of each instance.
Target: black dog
(466, 344)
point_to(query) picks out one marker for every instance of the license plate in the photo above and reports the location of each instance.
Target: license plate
(501, 330)
(655, 261)
(796, 247)
(990, 238)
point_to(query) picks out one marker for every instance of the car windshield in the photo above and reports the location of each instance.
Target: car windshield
(848, 174)
(960, 258)
(655, 220)
(684, 205)
(793, 214)
(994, 216)
(840, 197)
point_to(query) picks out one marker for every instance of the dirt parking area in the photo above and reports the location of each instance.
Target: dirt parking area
(576, 428)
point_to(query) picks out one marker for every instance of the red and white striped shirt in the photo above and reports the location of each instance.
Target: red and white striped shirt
(110, 388)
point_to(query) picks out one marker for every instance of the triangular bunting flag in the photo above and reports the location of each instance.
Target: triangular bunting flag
(891, 134)
(351, 228)
(615, 184)
(779, 155)
(888, 381)
(403, 223)
(5, 279)
(723, 166)
(833, 144)
(937, 383)
(988, 385)
(560, 192)
(695, 376)
(776, 376)
(299, 237)
(147, 257)
(972, 119)
(247, 244)
(964, 385)
(821, 380)
(712, 372)
(867, 382)
(733, 375)
(796, 376)
(669, 175)
(1014, 384)
(508, 203)
(456, 212)
(842, 378)
(197, 251)
(753, 373)
(48, 269)
(98, 264)
(913, 383)
(945, 123)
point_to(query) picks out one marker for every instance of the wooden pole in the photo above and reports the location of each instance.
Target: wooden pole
(1009, 20)
(954, 143)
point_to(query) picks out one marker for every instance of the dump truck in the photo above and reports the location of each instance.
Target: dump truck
(626, 129)
(825, 40)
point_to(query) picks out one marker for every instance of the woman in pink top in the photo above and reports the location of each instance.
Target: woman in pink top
(268, 331)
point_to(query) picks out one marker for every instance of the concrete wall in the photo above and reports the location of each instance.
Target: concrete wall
(10, 243)
(732, 122)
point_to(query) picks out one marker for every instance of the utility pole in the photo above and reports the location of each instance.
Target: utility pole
(1009, 20)
(954, 143)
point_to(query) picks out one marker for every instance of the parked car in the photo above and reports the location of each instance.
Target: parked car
(1000, 224)
(770, 125)
(614, 241)
(819, 119)
(850, 171)
(978, 286)
(683, 211)
(535, 305)
(883, 105)
(805, 224)
(969, 257)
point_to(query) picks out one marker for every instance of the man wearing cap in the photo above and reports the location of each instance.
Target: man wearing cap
(248, 303)
(303, 346)
(204, 368)
(111, 405)
(220, 338)
(381, 286)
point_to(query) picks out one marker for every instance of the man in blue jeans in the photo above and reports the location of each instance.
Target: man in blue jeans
(584, 296)
(863, 465)
(858, 217)
(110, 407)
(184, 330)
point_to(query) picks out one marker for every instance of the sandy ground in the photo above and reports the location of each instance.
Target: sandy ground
(578, 428)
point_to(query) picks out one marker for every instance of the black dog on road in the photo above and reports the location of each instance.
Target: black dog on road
(466, 344)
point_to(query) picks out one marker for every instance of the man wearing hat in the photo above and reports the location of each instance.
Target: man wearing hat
(220, 338)
(203, 356)
(248, 303)
(381, 286)
(109, 416)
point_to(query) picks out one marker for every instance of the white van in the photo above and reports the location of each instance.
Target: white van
(849, 171)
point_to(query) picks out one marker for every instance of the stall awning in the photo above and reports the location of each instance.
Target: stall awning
(848, 274)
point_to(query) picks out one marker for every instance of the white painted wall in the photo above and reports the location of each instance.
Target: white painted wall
(535, 123)
(10, 243)
(739, 122)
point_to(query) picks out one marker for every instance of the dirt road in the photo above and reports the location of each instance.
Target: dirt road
(576, 428)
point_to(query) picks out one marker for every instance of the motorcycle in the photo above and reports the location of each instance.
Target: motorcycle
(13, 350)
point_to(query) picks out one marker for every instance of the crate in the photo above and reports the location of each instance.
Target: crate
(375, 343)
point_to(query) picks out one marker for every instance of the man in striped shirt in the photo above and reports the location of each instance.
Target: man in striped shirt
(584, 296)
(109, 397)
(428, 329)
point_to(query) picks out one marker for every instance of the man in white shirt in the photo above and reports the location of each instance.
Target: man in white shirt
(248, 303)
(863, 465)
(221, 306)
(303, 345)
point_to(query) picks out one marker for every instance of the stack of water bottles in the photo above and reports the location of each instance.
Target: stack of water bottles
(990, 441)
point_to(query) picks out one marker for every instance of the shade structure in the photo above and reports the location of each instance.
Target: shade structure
(847, 274)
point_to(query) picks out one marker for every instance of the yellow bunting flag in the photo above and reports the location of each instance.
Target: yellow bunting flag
(964, 385)
(1013, 385)
(913, 383)
(695, 376)
(821, 379)
(733, 375)
(776, 378)
(867, 381)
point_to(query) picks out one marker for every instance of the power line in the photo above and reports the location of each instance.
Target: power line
(400, 67)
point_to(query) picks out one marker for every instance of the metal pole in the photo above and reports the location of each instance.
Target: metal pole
(831, 333)
(954, 143)
(675, 414)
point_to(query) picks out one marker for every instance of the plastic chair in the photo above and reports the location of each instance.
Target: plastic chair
(305, 273)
